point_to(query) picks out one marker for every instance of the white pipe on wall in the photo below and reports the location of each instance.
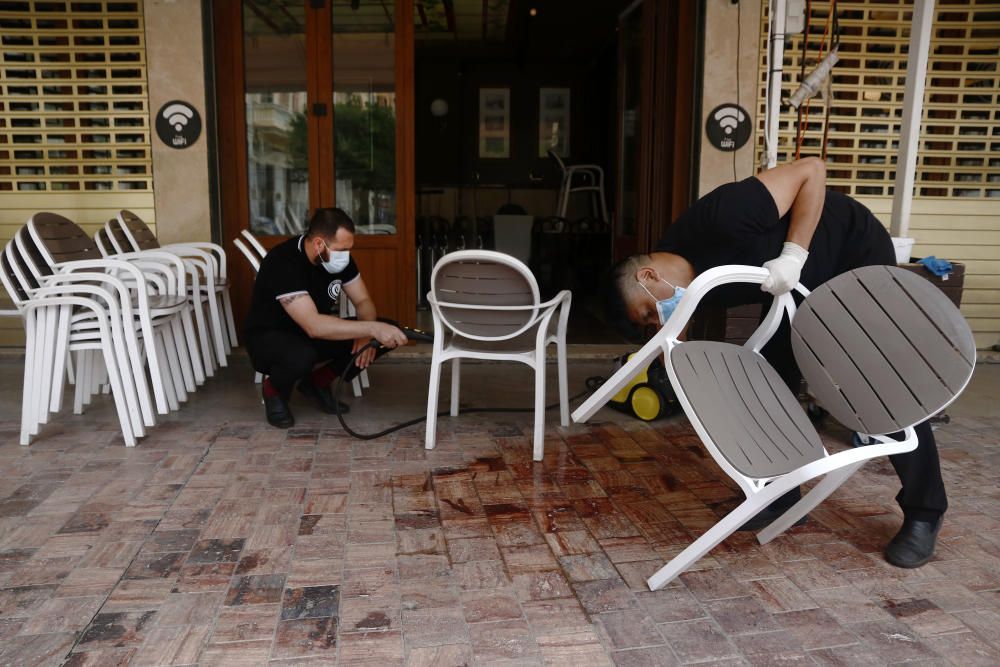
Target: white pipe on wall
(775, 58)
(913, 104)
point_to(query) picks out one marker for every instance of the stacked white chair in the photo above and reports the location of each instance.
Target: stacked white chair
(105, 312)
(208, 282)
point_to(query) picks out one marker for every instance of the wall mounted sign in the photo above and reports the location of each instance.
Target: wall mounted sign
(178, 124)
(553, 121)
(494, 122)
(728, 127)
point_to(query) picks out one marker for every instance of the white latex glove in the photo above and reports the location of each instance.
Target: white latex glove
(784, 269)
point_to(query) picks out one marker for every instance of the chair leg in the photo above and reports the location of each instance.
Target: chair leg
(563, 384)
(365, 382)
(183, 360)
(194, 350)
(456, 381)
(227, 305)
(564, 204)
(216, 319)
(207, 360)
(816, 495)
(708, 541)
(257, 378)
(432, 402)
(163, 342)
(28, 387)
(356, 385)
(539, 435)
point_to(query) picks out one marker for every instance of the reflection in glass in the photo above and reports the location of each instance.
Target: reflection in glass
(631, 36)
(276, 105)
(364, 113)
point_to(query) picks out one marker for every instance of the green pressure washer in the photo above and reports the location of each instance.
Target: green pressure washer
(649, 395)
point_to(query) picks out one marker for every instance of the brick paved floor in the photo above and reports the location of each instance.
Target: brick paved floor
(222, 541)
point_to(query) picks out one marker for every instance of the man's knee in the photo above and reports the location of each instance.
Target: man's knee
(297, 362)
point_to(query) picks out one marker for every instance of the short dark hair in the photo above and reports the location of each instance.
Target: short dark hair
(619, 284)
(326, 222)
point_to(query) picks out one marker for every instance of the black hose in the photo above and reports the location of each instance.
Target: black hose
(592, 384)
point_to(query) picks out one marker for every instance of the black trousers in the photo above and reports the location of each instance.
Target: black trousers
(922, 497)
(287, 357)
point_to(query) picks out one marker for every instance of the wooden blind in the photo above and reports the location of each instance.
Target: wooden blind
(73, 97)
(960, 135)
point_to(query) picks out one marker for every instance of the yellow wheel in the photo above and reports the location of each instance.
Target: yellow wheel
(645, 403)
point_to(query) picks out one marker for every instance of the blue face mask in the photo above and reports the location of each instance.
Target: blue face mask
(665, 307)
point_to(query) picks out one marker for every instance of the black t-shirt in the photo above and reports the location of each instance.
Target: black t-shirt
(286, 270)
(738, 223)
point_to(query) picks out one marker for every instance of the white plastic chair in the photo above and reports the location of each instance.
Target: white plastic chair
(50, 243)
(589, 178)
(102, 329)
(253, 252)
(882, 349)
(486, 305)
(208, 258)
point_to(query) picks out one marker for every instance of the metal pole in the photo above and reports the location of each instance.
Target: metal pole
(913, 104)
(776, 24)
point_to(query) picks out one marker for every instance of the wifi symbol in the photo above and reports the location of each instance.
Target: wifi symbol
(729, 119)
(178, 115)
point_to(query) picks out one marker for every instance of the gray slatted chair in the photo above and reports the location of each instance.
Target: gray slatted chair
(881, 348)
(486, 305)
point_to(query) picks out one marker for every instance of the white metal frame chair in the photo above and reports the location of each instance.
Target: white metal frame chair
(486, 305)
(592, 176)
(881, 348)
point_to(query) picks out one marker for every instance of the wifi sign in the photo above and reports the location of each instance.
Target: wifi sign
(178, 124)
(728, 127)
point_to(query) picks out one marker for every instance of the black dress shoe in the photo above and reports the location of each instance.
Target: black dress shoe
(766, 517)
(324, 398)
(278, 413)
(914, 543)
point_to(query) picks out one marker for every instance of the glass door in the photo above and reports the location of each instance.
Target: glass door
(276, 71)
(364, 113)
(318, 97)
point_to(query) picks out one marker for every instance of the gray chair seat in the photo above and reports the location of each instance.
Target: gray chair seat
(750, 414)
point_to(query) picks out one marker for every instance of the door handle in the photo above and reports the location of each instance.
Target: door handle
(319, 109)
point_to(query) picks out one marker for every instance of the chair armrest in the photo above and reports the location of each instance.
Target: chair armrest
(167, 259)
(666, 337)
(213, 250)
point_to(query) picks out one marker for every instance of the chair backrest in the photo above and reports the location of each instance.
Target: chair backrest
(249, 254)
(484, 278)
(14, 278)
(558, 158)
(254, 244)
(882, 349)
(58, 239)
(141, 236)
(104, 243)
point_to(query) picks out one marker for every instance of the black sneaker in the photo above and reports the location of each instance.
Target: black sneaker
(277, 412)
(914, 543)
(323, 397)
(766, 517)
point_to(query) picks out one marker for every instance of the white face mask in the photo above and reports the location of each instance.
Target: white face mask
(339, 259)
